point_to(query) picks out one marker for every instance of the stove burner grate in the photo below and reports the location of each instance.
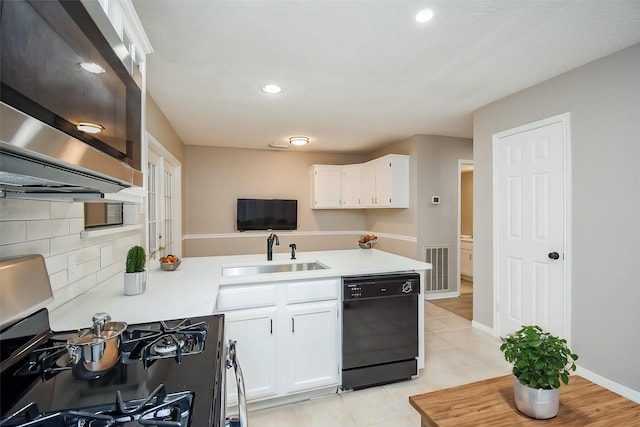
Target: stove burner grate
(159, 409)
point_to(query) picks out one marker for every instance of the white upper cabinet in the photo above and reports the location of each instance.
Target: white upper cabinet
(326, 182)
(386, 182)
(379, 183)
(352, 176)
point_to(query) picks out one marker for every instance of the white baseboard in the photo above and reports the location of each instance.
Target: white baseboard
(620, 389)
(440, 295)
(483, 328)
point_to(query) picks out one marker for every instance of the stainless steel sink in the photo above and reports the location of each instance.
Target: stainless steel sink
(243, 270)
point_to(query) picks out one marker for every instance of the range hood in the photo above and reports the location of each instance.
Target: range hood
(38, 161)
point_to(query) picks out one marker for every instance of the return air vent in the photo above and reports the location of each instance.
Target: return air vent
(437, 279)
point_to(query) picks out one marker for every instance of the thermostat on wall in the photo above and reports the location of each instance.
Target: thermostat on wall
(435, 200)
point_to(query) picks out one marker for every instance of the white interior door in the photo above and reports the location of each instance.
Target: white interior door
(530, 192)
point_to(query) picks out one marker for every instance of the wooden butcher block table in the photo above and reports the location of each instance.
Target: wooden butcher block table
(490, 403)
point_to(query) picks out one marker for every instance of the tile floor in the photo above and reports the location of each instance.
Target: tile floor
(455, 354)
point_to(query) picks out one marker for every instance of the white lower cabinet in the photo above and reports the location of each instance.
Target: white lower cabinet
(312, 345)
(256, 344)
(288, 346)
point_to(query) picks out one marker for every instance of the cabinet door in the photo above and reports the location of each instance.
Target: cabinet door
(254, 330)
(326, 185)
(383, 182)
(369, 184)
(312, 350)
(352, 186)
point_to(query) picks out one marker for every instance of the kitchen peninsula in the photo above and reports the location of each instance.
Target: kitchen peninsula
(192, 289)
(288, 322)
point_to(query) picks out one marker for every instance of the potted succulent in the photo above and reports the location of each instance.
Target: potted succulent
(541, 362)
(135, 276)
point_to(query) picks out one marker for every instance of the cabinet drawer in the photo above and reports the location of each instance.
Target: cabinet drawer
(316, 290)
(246, 297)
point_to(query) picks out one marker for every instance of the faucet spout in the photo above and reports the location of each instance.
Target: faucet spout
(273, 237)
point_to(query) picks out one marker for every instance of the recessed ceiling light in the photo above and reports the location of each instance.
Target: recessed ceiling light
(92, 67)
(299, 140)
(271, 88)
(425, 15)
(89, 127)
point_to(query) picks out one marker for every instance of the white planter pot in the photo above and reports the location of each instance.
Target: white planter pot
(536, 403)
(135, 283)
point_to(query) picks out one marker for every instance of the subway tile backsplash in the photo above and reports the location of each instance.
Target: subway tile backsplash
(52, 229)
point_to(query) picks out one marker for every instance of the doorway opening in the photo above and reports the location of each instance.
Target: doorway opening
(462, 305)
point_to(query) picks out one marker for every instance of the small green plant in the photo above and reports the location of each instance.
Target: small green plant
(136, 258)
(540, 360)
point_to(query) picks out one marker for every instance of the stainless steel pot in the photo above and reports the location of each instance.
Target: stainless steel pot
(98, 348)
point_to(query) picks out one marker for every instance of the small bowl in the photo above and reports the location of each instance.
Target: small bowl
(170, 266)
(368, 245)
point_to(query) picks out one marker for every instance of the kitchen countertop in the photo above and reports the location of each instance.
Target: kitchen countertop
(192, 289)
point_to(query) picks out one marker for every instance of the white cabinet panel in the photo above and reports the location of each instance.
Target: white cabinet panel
(254, 333)
(312, 345)
(326, 184)
(352, 186)
(386, 182)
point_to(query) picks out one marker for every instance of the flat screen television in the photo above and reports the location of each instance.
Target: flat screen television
(266, 214)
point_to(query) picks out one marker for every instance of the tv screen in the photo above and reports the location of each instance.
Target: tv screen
(266, 214)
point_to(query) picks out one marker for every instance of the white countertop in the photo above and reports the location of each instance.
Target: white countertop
(192, 289)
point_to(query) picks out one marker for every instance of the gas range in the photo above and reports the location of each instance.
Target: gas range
(169, 373)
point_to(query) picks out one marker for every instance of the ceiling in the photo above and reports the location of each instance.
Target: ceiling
(358, 74)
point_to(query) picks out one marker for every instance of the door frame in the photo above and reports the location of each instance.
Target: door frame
(461, 162)
(164, 154)
(565, 120)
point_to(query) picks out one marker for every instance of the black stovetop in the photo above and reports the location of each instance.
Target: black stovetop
(197, 379)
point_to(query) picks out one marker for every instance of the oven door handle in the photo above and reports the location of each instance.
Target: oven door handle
(232, 361)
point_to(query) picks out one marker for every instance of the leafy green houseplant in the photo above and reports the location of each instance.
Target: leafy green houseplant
(135, 276)
(540, 362)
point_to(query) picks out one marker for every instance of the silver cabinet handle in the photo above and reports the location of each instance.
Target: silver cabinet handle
(293, 325)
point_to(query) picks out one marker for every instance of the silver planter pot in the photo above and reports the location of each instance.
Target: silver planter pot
(536, 403)
(135, 283)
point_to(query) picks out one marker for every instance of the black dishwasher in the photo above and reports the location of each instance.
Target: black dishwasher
(379, 329)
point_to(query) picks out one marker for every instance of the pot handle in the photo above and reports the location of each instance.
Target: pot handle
(99, 320)
(73, 349)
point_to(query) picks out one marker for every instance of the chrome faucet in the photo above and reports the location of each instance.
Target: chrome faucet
(273, 237)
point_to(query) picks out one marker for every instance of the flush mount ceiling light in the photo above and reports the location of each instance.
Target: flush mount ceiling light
(425, 15)
(271, 89)
(299, 140)
(92, 67)
(89, 127)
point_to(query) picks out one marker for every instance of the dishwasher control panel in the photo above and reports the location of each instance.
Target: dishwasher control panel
(380, 286)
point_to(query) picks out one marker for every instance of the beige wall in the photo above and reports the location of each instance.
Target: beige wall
(160, 128)
(438, 176)
(466, 203)
(215, 177)
(603, 98)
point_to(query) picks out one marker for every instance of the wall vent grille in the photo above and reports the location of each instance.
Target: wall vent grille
(437, 279)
